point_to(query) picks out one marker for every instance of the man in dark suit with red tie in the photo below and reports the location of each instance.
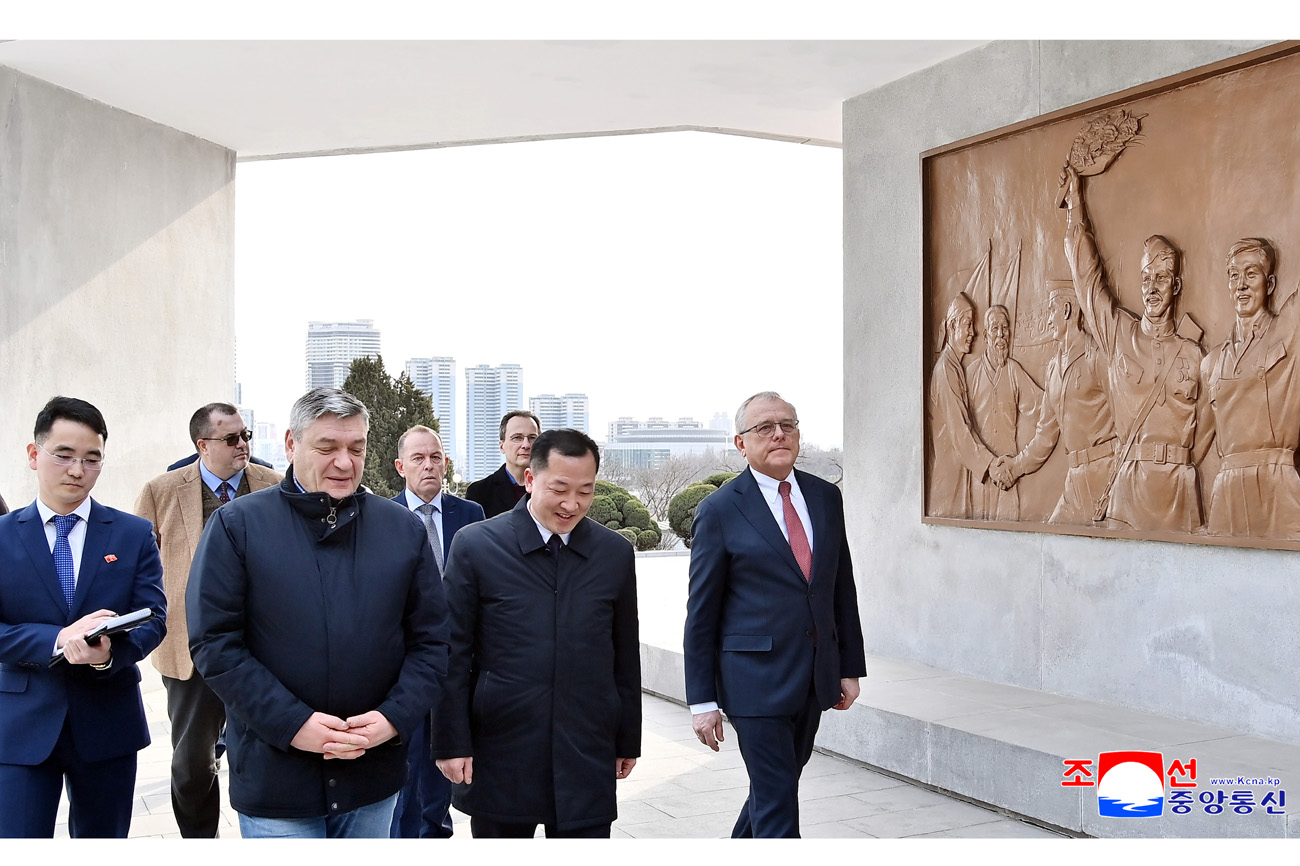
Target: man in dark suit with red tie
(68, 564)
(773, 635)
(424, 805)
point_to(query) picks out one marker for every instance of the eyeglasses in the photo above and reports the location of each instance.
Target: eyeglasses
(231, 439)
(90, 464)
(520, 437)
(768, 429)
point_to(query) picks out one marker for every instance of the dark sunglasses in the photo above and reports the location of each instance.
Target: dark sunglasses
(231, 439)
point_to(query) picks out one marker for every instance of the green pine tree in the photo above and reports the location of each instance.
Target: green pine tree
(395, 405)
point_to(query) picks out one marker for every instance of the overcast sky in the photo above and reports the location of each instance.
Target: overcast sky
(668, 274)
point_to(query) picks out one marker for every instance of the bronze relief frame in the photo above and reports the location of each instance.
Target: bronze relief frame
(1112, 314)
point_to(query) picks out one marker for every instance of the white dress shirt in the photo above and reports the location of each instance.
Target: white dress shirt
(76, 538)
(546, 533)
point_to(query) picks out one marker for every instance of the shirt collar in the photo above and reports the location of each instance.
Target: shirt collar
(82, 510)
(518, 482)
(771, 487)
(413, 502)
(542, 530)
(214, 482)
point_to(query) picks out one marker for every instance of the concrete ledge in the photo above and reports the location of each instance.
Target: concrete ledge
(1005, 746)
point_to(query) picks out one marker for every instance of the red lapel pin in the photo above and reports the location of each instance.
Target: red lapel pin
(110, 558)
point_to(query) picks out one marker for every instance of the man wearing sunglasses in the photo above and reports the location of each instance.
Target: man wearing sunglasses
(67, 565)
(179, 503)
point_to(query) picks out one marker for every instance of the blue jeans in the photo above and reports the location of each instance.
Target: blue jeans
(367, 822)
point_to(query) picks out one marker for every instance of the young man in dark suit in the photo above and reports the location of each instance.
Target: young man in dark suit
(424, 804)
(540, 713)
(773, 635)
(499, 492)
(68, 564)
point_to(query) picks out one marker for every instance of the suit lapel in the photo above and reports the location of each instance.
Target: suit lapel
(190, 496)
(98, 530)
(450, 522)
(32, 532)
(823, 545)
(752, 504)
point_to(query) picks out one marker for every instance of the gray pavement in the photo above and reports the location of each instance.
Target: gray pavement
(679, 789)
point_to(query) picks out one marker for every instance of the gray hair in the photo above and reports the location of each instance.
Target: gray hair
(761, 395)
(324, 401)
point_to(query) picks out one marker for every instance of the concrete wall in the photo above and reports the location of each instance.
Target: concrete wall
(116, 279)
(1195, 632)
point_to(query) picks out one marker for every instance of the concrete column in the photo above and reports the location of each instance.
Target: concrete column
(116, 279)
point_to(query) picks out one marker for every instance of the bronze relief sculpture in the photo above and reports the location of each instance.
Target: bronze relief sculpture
(1143, 426)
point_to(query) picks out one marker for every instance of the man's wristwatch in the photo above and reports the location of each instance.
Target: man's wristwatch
(105, 666)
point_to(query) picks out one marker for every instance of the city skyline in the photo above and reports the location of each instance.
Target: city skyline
(641, 270)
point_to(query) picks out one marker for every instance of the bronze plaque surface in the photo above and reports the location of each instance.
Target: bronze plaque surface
(1112, 337)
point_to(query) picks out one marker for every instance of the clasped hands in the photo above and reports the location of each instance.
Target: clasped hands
(1002, 472)
(343, 738)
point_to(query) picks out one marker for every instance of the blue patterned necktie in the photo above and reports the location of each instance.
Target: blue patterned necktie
(63, 564)
(223, 492)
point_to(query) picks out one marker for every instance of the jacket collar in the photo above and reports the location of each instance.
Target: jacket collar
(529, 539)
(324, 514)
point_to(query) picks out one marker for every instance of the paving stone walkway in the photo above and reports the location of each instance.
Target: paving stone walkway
(679, 789)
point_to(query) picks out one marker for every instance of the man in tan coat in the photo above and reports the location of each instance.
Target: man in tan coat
(179, 503)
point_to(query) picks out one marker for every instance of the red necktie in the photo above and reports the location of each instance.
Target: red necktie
(798, 538)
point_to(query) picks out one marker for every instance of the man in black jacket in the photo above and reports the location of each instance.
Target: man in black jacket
(316, 615)
(541, 709)
(499, 492)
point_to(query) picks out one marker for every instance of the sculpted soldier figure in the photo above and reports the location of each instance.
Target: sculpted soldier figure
(959, 458)
(1254, 404)
(1000, 392)
(1075, 411)
(1155, 379)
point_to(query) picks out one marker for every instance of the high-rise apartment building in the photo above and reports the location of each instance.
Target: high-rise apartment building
(490, 392)
(437, 378)
(268, 445)
(333, 346)
(571, 410)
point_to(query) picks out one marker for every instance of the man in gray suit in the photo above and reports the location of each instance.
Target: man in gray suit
(424, 805)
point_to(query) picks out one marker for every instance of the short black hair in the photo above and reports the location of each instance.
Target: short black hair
(68, 409)
(565, 440)
(517, 413)
(201, 420)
